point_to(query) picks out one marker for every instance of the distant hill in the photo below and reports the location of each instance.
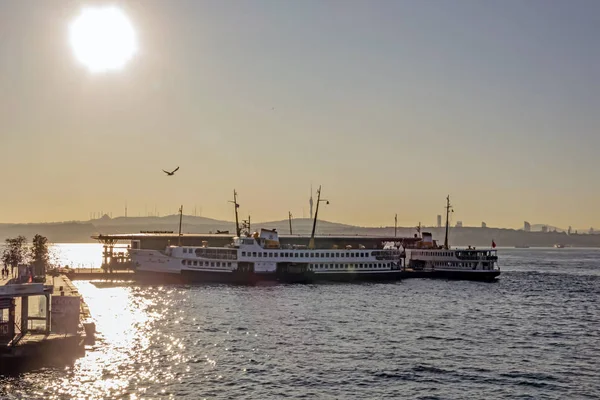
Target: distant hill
(72, 232)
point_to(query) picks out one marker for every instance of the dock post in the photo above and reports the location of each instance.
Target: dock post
(24, 314)
(48, 321)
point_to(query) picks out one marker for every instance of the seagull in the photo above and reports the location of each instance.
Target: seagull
(172, 172)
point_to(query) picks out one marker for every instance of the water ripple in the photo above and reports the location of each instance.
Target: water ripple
(531, 335)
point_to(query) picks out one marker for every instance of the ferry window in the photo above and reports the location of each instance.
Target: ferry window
(218, 264)
(270, 254)
(183, 262)
(296, 255)
(243, 254)
(195, 263)
(253, 254)
(229, 264)
(327, 255)
(276, 254)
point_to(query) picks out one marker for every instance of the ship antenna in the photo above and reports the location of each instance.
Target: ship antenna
(180, 220)
(311, 243)
(395, 224)
(290, 218)
(236, 206)
(448, 209)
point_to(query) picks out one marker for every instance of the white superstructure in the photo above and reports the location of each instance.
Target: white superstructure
(261, 254)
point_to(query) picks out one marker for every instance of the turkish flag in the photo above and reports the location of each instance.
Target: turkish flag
(493, 244)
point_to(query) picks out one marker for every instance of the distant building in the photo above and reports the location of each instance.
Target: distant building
(310, 204)
(439, 221)
(483, 225)
(526, 226)
(569, 230)
(591, 231)
(459, 224)
(544, 228)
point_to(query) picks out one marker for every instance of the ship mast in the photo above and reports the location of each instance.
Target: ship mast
(236, 206)
(311, 243)
(290, 218)
(448, 209)
(180, 219)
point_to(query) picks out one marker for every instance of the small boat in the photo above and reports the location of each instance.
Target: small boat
(559, 246)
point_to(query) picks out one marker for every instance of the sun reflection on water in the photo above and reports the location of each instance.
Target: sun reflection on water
(130, 351)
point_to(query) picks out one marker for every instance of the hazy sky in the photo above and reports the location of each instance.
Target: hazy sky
(390, 105)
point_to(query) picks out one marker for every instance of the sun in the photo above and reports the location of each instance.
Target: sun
(103, 39)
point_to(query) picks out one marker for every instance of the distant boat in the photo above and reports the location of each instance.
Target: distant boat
(559, 246)
(523, 246)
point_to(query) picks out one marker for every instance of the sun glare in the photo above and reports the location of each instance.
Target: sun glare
(102, 39)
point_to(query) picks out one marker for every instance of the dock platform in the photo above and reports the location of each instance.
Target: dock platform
(59, 342)
(91, 274)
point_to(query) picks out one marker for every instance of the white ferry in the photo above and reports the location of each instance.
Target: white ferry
(430, 260)
(260, 257)
(427, 259)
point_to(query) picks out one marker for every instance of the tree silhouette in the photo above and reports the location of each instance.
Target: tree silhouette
(14, 254)
(39, 255)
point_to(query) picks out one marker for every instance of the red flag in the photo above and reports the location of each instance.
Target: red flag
(493, 244)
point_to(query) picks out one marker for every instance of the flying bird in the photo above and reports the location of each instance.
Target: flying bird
(172, 172)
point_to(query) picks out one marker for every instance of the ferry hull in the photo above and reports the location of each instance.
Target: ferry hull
(207, 277)
(250, 278)
(482, 276)
(383, 276)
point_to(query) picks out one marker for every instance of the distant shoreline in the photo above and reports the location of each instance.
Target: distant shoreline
(81, 232)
